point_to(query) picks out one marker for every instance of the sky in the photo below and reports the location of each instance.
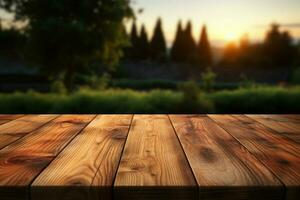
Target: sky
(226, 20)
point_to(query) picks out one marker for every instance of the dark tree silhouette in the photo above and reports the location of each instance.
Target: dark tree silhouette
(134, 42)
(67, 35)
(230, 55)
(204, 54)
(278, 48)
(178, 45)
(189, 45)
(158, 45)
(143, 45)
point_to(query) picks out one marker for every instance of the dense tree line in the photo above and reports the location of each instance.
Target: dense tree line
(277, 50)
(184, 49)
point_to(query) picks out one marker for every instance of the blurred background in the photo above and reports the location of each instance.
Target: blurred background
(149, 56)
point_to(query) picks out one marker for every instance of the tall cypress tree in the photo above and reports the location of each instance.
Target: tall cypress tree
(177, 48)
(143, 47)
(158, 45)
(204, 54)
(134, 40)
(189, 45)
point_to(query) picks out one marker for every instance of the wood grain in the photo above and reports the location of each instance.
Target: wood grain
(153, 165)
(14, 130)
(23, 160)
(288, 126)
(223, 168)
(279, 154)
(91, 159)
(7, 118)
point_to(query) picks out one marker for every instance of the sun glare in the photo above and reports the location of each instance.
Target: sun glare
(231, 37)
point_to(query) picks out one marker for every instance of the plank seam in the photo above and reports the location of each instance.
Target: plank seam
(186, 158)
(273, 130)
(29, 131)
(270, 170)
(10, 120)
(121, 155)
(79, 132)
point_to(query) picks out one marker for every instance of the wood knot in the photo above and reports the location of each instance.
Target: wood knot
(207, 154)
(283, 162)
(118, 135)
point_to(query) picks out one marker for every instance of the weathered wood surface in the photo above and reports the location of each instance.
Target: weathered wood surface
(14, 130)
(7, 118)
(24, 159)
(288, 126)
(280, 154)
(149, 157)
(98, 150)
(227, 163)
(153, 160)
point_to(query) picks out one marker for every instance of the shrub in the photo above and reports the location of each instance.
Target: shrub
(208, 80)
(58, 87)
(190, 100)
(194, 101)
(269, 100)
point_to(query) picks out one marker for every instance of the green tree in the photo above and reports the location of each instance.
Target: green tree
(204, 54)
(177, 48)
(158, 45)
(66, 35)
(12, 42)
(143, 45)
(189, 47)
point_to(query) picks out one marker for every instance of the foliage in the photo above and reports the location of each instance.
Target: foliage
(245, 100)
(158, 46)
(99, 83)
(246, 82)
(193, 100)
(12, 43)
(208, 79)
(296, 76)
(258, 100)
(66, 35)
(58, 87)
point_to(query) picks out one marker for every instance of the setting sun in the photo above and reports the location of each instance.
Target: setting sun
(231, 37)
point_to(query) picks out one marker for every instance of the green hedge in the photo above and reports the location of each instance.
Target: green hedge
(254, 100)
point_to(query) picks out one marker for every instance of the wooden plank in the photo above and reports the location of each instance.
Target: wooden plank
(14, 130)
(277, 152)
(7, 118)
(23, 160)
(93, 167)
(153, 165)
(288, 126)
(223, 168)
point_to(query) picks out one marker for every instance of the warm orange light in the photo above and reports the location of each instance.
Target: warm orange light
(231, 37)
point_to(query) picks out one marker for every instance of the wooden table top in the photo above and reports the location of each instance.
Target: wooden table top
(149, 157)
